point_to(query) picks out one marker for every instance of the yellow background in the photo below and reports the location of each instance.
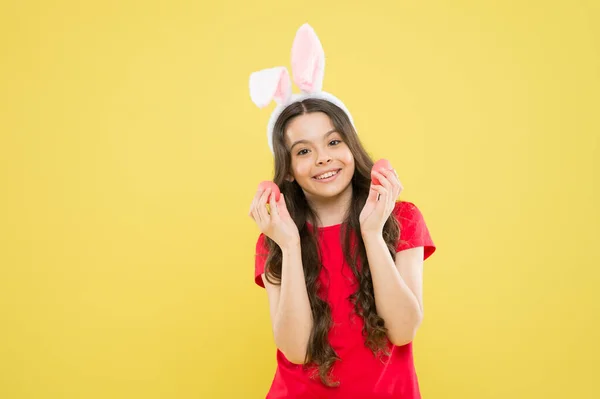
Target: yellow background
(130, 151)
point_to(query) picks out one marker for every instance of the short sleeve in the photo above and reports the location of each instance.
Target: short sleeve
(413, 230)
(260, 259)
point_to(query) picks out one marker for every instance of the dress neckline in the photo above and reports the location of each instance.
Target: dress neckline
(326, 228)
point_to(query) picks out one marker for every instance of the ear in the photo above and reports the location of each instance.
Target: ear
(270, 84)
(289, 178)
(308, 60)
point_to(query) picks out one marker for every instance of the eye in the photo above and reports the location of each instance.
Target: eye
(335, 141)
(301, 152)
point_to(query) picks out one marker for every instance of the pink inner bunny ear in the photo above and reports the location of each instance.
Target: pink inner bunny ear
(270, 84)
(308, 60)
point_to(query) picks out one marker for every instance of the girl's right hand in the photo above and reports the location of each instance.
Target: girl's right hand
(278, 225)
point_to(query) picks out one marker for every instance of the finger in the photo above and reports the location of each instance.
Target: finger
(396, 186)
(383, 201)
(396, 180)
(377, 193)
(273, 205)
(384, 179)
(255, 199)
(262, 206)
(391, 175)
(379, 189)
(394, 183)
(392, 194)
(282, 206)
(252, 205)
(255, 216)
(373, 195)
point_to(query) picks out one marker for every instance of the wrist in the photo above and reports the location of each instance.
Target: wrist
(371, 235)
(291, 246)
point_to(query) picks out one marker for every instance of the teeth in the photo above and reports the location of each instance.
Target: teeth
(326, 175)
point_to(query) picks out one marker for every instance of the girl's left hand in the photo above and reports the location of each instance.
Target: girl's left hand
(377, 211)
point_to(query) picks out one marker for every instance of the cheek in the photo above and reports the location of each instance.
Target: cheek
(304, 170)
(301, 169)
(347, 158)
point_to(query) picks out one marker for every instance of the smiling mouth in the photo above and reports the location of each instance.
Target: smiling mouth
(327, 175)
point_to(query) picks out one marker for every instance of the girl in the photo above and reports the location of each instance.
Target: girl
(340, 259)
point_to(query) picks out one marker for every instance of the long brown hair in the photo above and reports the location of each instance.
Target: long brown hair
(319, 351)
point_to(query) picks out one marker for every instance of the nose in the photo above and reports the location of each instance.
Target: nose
(323, 159)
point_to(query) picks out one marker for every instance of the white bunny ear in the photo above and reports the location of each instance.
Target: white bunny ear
(308, 60)
(270, 84)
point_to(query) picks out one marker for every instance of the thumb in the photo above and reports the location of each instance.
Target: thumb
(372, 195)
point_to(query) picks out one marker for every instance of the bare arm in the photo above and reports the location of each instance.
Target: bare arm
(397, 284)
(291, 316)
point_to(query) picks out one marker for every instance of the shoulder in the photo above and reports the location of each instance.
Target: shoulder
(413, 229)
(261, 245)
(406, 211)
(260, 258)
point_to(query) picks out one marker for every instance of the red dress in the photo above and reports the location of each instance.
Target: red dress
(359, 372)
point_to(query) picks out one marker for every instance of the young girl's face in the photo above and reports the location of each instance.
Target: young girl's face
(322, 163)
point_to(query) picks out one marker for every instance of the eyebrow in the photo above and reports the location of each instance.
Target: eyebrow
(306, 141)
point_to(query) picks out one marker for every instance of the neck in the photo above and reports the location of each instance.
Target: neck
(331, 210)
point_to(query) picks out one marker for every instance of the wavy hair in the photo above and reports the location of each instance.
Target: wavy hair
(319, 351)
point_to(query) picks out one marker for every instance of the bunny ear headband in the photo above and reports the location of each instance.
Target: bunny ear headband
(308, 68)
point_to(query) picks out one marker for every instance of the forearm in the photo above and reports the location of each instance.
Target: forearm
(395, 302)
(293, 322)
